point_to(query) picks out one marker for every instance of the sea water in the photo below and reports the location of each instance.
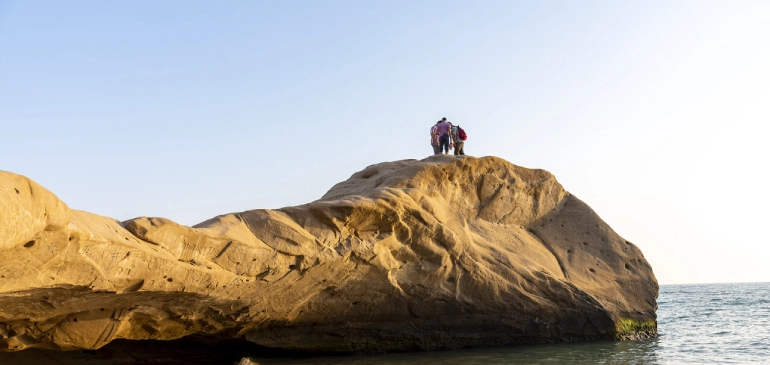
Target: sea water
(697, 324)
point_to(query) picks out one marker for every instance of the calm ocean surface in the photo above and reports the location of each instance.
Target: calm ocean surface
(697, 324)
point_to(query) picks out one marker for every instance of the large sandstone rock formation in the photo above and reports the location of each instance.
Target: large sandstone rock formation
(440, 253)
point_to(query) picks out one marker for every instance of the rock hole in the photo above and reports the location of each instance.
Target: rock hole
(75, 319)
(323, 281)
(292, 267)
(569, 251)
(71, 238)
(17, 190)
(134, 287)
(237, 262)
(627, 266)
(29, 244)
(126, 238)
(252, 260)
(354, 303)
(592, 270)
(169, 280)
(585, 243)
(101, 309)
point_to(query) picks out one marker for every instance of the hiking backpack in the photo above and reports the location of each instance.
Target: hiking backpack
(461, 133)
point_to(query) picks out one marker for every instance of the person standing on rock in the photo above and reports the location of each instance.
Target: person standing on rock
(458, 141)
(451, 142)
(444, 130)
(434, 138)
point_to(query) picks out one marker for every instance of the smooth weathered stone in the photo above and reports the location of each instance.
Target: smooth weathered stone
(440, 253)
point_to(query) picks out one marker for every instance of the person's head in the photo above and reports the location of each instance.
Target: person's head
(443, 119)
(439, 122)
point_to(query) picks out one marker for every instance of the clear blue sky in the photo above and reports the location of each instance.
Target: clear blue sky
(653, 112)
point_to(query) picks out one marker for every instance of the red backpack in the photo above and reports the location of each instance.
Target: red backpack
(461, 133)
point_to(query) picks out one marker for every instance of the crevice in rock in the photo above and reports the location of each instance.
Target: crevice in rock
(551, 250)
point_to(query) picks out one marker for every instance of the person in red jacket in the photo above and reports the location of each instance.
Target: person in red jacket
(459, 143)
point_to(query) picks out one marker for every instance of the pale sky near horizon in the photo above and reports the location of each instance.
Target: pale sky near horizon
(652, 112)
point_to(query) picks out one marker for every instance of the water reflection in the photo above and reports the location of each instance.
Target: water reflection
(639, 352)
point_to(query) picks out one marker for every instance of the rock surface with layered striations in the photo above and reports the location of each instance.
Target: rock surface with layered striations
(409, 255)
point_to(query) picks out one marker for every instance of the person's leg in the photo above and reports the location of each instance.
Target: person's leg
(457, 147)
(444, 140)
(462, 148)
(446, 145)
(435, 148)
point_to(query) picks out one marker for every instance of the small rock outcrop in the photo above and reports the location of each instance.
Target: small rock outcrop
(410, 255)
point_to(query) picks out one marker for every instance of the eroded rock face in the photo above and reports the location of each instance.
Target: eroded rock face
(444, 252)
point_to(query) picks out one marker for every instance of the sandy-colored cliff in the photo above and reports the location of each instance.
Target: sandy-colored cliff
(444, 252)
